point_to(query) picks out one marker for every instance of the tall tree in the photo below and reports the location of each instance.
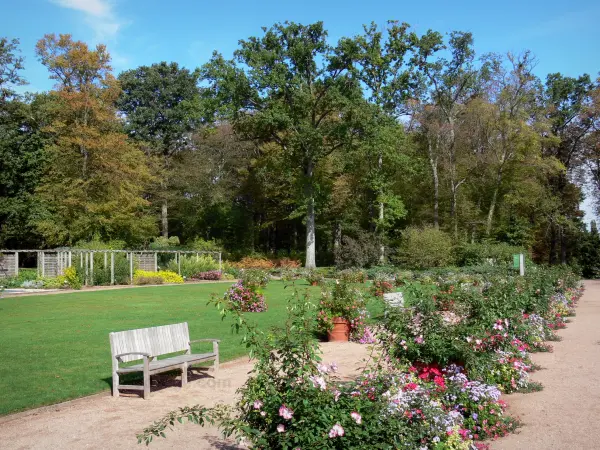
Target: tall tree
(22, 119)
(451, 83)
(569, 109)
(95, 177)
(162, 109)
(290, 87)
(381, 67)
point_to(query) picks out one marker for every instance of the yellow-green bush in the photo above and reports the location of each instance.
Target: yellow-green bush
(160, 277)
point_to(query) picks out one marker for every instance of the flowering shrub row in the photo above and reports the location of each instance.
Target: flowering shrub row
(162, 276)
(434, 383)
(213, 275)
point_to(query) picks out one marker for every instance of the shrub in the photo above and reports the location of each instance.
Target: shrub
(425, 247)
(25, 276)
(161, 242)
(352, 276)
(245, 299)
(210, 275)
(498, 253)
(314, 278)
(141, 280)
(72, 278)
(192, 264)
(254, 279)
(147, 277)
(102, 274)
(359, 251)
(254, 263)
(205, 245)
(287, 263)
(380, 287)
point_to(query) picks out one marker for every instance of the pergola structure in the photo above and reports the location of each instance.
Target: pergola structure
(52, 263)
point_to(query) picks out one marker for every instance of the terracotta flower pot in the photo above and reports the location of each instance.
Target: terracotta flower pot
(341, 330)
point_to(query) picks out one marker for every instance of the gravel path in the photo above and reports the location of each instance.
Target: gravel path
(566, 414)
(103, 422)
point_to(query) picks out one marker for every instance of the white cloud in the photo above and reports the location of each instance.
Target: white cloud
(96, 8)
(99, 15)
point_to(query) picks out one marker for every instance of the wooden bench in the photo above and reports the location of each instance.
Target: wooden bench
(149, 343)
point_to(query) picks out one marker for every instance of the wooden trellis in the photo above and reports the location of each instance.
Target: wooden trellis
(52, 263)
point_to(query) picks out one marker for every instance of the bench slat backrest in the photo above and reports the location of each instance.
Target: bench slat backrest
(155, 341)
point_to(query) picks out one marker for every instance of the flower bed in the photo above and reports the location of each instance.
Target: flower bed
(435, 382)
(212, 275)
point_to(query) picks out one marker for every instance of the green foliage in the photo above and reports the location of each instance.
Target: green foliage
(360, 251)
(164, 243)
(425, 247)
(141, 277)
(254, 279)
(192, 264)
(17, 282)
(495, 253)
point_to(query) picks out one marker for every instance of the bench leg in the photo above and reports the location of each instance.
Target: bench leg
(216, 352)
(184, 371)
(146, 377)
(115, 387)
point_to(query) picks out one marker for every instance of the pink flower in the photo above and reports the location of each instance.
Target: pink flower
(280, 428)
(263, 413)
(420, 340)
(318, 381)
(336, 431)
(336, 394)
(258, 404)
(356, 416)
(285, 412)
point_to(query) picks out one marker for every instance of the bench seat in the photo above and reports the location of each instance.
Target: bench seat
(173, 362)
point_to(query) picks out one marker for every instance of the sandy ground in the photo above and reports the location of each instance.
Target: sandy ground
(566, 414)
(103, 422)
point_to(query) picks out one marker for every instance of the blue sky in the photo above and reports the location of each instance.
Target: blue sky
(564, 36)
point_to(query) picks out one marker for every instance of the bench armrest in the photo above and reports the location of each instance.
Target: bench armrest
(148, 355)
(205, 340)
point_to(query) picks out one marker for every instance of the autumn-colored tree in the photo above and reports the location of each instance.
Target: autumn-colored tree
(95, 177)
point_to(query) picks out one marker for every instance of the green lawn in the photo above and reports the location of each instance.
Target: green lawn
(55, 347)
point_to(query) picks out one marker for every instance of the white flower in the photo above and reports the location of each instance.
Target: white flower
(280, 428)
(356, 416)
(322, 368)
(336, 431)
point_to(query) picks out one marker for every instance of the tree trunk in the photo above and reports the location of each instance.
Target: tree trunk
(436, 185)
(453, 209)
(381, 245)
(488, 226)
(551, 259)
(310, 234)
(381, 236)
(563, 246)
(310, 219)
(337, 237)
(164, 219)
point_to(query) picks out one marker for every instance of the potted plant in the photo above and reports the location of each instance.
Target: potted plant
(341, 311)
